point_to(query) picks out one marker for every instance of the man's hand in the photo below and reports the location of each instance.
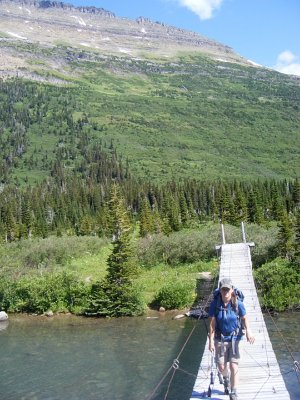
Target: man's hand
(250, 337)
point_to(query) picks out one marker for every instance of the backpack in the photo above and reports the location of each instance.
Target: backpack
(240, 296)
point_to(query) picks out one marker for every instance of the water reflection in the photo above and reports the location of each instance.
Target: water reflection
(3, 325)
(74, 358)
(285, 336)
(120, 359)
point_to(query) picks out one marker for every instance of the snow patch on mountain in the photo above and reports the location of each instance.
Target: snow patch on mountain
(79, 20)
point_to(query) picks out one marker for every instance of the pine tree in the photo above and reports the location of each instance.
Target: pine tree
(147, 225)
(296, 194)
(254, 208)
(183, 209)
(27, 216)
(297, 240)
(115, 295)
(240, 205)
(285, 237)
(122, 267)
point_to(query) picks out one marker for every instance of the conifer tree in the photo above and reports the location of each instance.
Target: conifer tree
(27, 216)
(240, 205)
(10, 225)
(296, 194)
(285, 237)
(297, 240)
(183, 209)
(122, 267)
(116, 295)
(146, 219)
(254, 208)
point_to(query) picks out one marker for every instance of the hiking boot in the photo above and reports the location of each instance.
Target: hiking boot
(233, 395)
(221, 379)
(226, 384)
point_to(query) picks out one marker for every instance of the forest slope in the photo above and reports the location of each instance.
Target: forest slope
(182, 107)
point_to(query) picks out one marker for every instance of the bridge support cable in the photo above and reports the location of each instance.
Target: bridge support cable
(259, 372)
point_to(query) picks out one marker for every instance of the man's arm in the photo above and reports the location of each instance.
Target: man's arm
(249, 335)
(212, 330)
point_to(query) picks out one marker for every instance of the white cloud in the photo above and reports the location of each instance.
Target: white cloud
(288, 63)
(203, 8)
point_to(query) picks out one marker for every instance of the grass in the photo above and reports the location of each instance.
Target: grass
(90, 267)
(151, 281)
(86, 258)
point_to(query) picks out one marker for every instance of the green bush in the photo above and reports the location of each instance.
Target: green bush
(179, 248)
(189, 246)
(112, 300)
(174, 296)
(47, 253)
(56, 292)
(278, 285)
(265, 239)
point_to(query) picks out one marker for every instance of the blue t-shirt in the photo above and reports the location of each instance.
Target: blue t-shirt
(226, 318)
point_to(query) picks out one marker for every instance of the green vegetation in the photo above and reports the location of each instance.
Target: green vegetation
(116, 295)
(37, 276)
(172, 296)
(189, 142)
(189, 117)
(279, 285)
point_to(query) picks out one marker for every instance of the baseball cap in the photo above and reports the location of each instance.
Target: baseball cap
(225, 283)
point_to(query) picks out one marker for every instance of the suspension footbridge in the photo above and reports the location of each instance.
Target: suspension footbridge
(259, 374)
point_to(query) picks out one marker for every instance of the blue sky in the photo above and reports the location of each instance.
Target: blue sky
(266, 32)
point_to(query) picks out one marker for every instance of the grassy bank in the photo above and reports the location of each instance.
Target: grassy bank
(57, 273)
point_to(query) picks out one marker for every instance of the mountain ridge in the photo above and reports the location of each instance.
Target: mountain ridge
(98, 30)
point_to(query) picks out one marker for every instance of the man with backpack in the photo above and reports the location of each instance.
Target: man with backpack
(227, 326)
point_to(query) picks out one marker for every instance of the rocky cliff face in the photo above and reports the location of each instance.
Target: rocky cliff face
(27, 25)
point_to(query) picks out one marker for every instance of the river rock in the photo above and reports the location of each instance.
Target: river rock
(49, 313)
(162, 309)
(179, 316)
(3, 316)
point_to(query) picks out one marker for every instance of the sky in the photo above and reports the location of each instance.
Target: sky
(266, 32)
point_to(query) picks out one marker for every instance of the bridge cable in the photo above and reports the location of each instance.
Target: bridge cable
(175, 365)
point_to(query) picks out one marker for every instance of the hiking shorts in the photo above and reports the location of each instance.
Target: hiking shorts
(227, 351)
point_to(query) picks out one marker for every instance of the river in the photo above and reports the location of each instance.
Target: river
(74, 358)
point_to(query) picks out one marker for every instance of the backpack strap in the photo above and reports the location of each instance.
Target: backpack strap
(239, 330)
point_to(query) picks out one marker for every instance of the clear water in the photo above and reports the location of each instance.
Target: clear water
(121, 359)
(284, 332)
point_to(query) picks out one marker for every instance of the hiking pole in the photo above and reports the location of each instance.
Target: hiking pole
(212, 379)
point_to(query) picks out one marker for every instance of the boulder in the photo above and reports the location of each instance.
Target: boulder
(3, 316)
(49, 313)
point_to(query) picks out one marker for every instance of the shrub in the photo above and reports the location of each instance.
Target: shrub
(56, 292)
(179, 248)
(189, 246)
(278, 285)
(112, 300)
(47, 253)
(174, 295)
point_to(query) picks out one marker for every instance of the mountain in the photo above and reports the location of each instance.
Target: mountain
(52, 24)
(173, 103)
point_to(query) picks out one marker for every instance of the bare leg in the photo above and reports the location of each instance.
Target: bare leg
(234, 377)
(223, 369)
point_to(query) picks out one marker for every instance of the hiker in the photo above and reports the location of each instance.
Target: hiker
(228, 320)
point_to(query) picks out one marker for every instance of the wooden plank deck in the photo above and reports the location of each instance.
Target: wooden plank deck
(260, 376)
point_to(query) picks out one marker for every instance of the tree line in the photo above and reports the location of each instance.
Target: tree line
(76, 201)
